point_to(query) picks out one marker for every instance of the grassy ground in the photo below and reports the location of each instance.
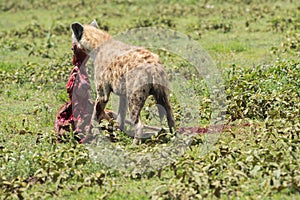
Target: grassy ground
(254, 44)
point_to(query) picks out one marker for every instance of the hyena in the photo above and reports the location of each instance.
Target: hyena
(133, 73)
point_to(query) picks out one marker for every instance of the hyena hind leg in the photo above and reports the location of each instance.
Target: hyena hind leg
(136, 103)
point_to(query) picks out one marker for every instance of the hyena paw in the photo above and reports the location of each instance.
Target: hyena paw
(136, 141)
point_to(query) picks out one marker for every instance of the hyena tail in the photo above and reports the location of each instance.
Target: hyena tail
(161, 96)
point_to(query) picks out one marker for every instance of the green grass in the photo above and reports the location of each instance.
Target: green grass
(254, 44)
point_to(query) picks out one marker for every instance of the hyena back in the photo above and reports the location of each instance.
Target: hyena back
(133, 73)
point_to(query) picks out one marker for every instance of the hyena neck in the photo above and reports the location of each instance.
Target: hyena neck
(93, 38)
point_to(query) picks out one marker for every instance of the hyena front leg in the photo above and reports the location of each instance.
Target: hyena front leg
(99, 114)
(122, 112)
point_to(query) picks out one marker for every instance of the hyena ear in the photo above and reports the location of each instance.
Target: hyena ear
(77, 29)
(94, 24)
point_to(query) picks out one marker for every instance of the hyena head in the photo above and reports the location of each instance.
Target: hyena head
(88, 37)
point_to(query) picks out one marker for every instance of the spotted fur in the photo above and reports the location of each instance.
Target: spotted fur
(133, 73)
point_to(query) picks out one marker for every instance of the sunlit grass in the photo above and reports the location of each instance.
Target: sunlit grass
(256, 155)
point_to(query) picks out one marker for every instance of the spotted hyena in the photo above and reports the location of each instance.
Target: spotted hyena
(133, 73)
